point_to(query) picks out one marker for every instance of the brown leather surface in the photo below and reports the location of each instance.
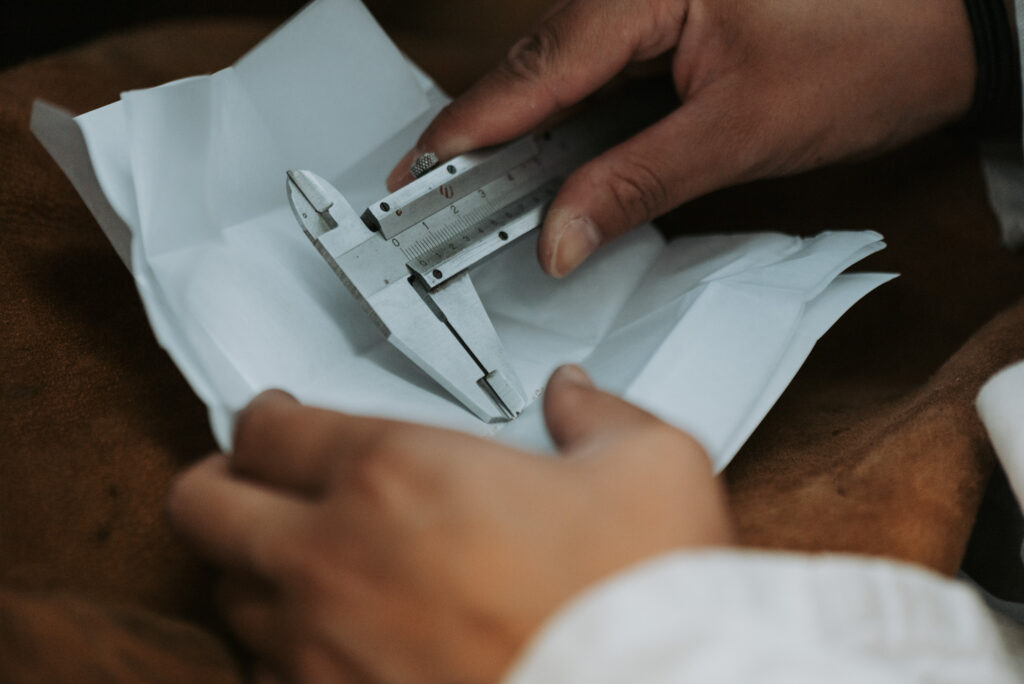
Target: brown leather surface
(874, 449)
(64, 638)
(94, 418)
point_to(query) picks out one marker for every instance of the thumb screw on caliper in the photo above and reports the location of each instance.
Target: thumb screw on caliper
(423, 164)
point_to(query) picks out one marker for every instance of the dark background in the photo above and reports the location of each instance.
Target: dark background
(30, 28)
(456, 38)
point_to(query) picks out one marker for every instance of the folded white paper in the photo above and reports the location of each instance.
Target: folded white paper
(187, 180)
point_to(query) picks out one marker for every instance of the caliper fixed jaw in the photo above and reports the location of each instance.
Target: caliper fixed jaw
(444, 331)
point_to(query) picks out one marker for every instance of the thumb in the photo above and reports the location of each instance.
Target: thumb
(635, 464)
(578, 414)
(695, 149)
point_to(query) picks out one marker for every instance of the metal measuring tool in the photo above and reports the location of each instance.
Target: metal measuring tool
(407, 257)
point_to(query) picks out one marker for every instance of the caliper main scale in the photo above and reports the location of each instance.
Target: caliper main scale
(406, 258)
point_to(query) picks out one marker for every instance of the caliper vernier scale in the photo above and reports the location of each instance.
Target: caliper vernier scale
(406, 257)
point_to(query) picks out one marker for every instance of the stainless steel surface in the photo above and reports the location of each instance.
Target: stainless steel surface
(406, 257)
(447, 183)
(463, 312)
(374, 271)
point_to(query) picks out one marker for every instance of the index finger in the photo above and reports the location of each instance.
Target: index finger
(235, 523)
(285, 444)
(576, 49)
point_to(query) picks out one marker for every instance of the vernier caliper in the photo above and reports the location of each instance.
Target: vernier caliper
(406, 257)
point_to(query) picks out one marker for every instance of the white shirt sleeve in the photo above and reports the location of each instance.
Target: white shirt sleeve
(743, 616)
(746, 616)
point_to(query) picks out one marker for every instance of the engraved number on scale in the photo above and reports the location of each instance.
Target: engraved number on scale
(473, 218)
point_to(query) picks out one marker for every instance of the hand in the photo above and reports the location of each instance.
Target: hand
(767, 89)
(366, 549)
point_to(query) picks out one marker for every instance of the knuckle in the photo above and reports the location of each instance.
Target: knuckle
(653, 432)
(530, 59)
(305, 572)
(637, 190)
(384, 465)
(674, 450)
(270, 555)
(179, 497)
(186, 492)
(656, 439)
(665, 22)
(662, 433)
(251, 425)
(568, 400)
(401, 472)
(296, 562)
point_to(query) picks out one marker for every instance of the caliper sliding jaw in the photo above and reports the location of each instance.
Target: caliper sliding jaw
(406, 258)
(444, 329)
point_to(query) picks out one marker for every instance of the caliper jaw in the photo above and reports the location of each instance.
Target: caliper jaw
(444, 331)
(457, 304)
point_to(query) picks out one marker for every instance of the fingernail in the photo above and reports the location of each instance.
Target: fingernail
(261, 402)
(268, 397)
(274, 396)
(578, 240)
(573, 374)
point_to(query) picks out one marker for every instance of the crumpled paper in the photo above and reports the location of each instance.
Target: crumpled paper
(187, 181)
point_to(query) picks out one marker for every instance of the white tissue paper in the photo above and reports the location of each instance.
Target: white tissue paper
(187, 180)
